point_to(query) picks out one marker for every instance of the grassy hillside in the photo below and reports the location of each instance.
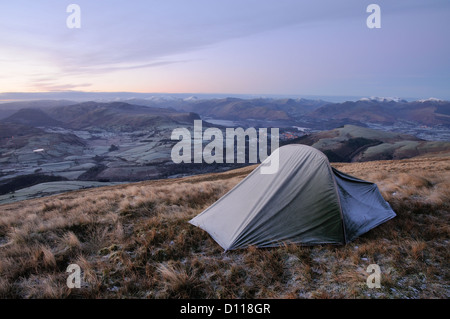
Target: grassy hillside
(134, 241)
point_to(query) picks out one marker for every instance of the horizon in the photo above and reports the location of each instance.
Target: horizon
(84, 96)
(287, 48)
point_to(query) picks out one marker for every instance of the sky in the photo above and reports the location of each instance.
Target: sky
(320, 47)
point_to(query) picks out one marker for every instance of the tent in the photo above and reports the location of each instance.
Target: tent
(306, 201)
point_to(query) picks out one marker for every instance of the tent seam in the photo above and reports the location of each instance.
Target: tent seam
(339, 201)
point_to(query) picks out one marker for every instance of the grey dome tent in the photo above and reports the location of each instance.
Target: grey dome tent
(305, 202)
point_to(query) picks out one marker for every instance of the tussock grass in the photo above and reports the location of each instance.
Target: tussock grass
(134, 241)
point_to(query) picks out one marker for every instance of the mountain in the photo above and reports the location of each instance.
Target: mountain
(352, 143)
(117, 116)
(259, 109)
(313, 113)
(317, 114)
(387, 111)
(9, 108)
(32, 117)
(93, 115)
(233, 108)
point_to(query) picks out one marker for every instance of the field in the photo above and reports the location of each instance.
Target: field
(134, 241)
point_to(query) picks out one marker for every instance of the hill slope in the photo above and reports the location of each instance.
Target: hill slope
(117, 116)
(428, 112)
(18, 144)
(250, 109)
(9, 108)
(134, 241)
(32, 117)
(352, 143)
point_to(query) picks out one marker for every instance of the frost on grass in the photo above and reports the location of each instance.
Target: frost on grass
(134, 241)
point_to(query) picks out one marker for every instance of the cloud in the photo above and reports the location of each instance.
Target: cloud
(147, 33)
(101, 69)
(48, 86)
(324, 36)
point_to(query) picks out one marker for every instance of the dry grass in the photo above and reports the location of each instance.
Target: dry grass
(134, 241)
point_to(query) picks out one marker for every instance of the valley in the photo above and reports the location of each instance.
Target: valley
(48, 147)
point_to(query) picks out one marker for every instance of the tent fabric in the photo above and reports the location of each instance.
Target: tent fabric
(363, 206)
(305, 202)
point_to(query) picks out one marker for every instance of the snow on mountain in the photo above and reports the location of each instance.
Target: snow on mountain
(382, 99)
(431, 99)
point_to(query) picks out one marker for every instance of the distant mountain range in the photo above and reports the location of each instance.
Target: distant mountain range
(116, 116)
(261, 109)
(81, 96)
(315, 113)
(427, 112)
(375, 110)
